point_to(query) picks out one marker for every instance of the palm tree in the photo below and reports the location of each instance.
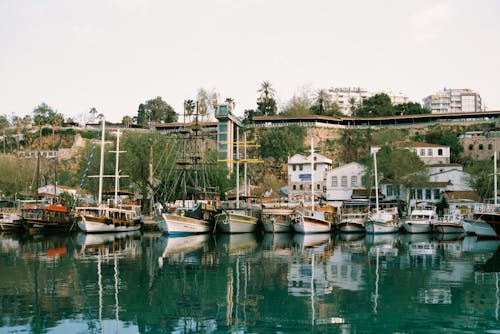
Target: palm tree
(322, 100)
(189, 107)
(266, 90)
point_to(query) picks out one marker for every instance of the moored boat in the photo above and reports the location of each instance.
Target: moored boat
(383, 221)
(48, 219)
(117, 214)
(190, 218)
(10, 216)
(449, 223)
(236, 220)
(277, 219)
(313, 221)
(421, 219)
(352, 222)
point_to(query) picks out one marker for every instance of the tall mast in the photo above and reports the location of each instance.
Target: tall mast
(312, 175)
(117, 164)
(495, 178)
(376, 178)
(237, 169)
(101, 165)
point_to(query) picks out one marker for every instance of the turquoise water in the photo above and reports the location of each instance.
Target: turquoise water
(133, 283)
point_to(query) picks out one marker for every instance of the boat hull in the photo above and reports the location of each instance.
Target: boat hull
(351, 227)
(235, 222)
(176, 224)
(377, 227)
(448, 228)
(417, 227)
(308, 224)
(97, 225)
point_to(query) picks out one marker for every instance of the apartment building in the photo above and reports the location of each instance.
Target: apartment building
(351, 98)
(453, 101)
(430, 154)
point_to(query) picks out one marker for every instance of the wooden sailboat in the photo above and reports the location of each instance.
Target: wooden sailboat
(115, 215)
(313, 220)
(194, 215)
(381, 220)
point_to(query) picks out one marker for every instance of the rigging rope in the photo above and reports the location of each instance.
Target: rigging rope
(85, 172)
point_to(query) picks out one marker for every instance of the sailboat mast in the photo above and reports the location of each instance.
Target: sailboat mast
(312, 175)
(376, 179)
(495, 190)
(101, 165)
(245, 167)
(117, 163)
(237, 169)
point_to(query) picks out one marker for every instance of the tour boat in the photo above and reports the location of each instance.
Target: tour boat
(421, 219)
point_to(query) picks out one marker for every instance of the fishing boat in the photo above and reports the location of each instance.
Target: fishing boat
(313, 219)
(119, 213)
(421, 219)
(276, 218)
(449, 223)
(352, 222)
(10, 216)
(47, 219)
(381, 220)
(193, 212)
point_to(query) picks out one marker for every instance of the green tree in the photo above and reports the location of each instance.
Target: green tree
(291, 140)
(266, 104)
(4, 122)
(398, 166)
(127, 121)
(155, 110)
(410, 108)
(299, 104)
(480, 177)
(377, 105)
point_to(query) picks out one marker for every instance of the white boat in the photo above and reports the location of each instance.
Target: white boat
(237, 220)
(479, 227)
(421, 219)
(352, 222)
(115, 215)
(189, 217)
(449, 223)
(10, 215)
(277, 219)
(313, 220)
(381, 220)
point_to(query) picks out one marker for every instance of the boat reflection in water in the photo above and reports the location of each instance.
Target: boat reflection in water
(235, 283)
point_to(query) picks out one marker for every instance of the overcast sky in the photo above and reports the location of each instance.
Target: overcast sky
(115, 54)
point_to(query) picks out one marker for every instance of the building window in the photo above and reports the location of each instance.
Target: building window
(314, 166)
(396, 191)
(318, 186)
(300, 167)
(388, 190)
(294, 167)
(422, 152)
(343, 182)
(440, 152)
(294, 187)
(471, 147)
(489, 147)
(437, 194)
(429, 152)
(354, 181)
(428, 194)
(419, 193)
(301, 187)
(334, 181)
(480, 146)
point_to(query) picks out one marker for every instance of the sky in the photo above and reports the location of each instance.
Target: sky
(115, 54)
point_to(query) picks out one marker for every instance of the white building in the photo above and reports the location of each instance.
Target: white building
(429, 153)
(351, 98)
(341, 181)
(299, 176)
(453, 101)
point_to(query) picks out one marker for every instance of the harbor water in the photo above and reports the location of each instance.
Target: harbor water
(249, 283)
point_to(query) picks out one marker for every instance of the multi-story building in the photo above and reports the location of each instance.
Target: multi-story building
(479, 145)
(453, 101)
(351, 98)
(430, 154)
(343, 180)
(300, 174)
